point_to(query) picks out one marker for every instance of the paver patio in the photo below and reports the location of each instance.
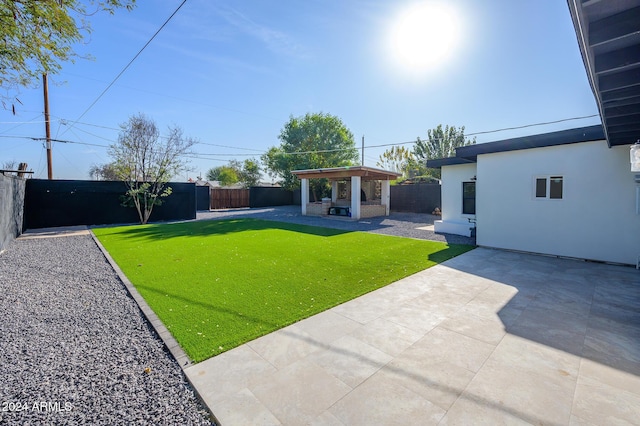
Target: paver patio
(489, 337)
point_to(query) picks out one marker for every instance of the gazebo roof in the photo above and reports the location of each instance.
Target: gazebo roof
(335, 173)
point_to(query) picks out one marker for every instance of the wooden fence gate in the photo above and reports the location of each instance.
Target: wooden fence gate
(228, 198)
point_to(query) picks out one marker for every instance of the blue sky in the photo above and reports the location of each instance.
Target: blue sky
(231, 73)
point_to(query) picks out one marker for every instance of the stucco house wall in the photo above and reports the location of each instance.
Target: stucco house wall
(595, 219)
(453, 221)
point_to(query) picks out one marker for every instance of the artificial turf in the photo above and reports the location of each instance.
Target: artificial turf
(218, 284)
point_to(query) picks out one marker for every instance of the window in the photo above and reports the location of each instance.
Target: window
(555, 187)
(541, 188)
(549, 187)
(468, 198)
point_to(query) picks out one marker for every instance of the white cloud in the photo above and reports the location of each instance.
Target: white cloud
(275, 40)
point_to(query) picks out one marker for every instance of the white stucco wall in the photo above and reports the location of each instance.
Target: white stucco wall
(596, 219)
(453, 221)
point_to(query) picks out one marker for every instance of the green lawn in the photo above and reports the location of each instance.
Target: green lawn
(218, 284)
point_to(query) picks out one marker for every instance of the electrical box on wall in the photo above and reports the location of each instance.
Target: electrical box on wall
(635, 157)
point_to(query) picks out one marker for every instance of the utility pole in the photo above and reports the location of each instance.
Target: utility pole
(362, 163)
(45, 84)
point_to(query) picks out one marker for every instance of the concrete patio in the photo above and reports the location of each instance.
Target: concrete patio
(489, 337)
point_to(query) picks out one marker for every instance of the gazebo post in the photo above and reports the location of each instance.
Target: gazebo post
(355, 197)
(386, 195)
(334, 191)
(304, 195)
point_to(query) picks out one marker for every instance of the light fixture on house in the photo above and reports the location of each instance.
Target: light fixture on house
(635, 168)
(635, 157)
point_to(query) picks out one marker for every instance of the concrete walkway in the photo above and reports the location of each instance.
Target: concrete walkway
(489, 337)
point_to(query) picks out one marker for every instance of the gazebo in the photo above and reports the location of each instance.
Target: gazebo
(356, 191)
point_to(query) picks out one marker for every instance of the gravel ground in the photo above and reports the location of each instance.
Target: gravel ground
(400, 224)
(76, 349)
(74, 346)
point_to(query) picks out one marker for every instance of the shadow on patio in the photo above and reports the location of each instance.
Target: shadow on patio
(590, 310)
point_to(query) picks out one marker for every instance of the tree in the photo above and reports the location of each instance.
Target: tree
(396, 159)
(441, 144)
(247, 173)
(145, 161)
(103, 172)
(213, 173)
(9, 165)
(38, 35)
(250, 175)
(310, 142)
(226, 175)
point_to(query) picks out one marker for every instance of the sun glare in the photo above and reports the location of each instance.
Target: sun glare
(423, 36)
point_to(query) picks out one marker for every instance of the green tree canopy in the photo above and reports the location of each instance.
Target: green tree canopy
(225, 175)
(315, 140)
(38, 35)
(246, 172)
(145, 161)
(440, 143)
(250, 173)
(103, 172)
(397, 159)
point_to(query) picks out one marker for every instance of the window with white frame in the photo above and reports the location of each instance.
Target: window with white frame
(549, 187)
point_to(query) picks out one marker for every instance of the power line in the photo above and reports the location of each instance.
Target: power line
(196, 155)
(39, 169)
(206, 156)
(26, 122)
(206, 159)
(532, 125)
(225, 155)
(468, 134)
(74, 165)
(90, 134)
(65, 122)
(40, 139)
(130, 62)
(494, 131)
(20, 124)
(232, 147)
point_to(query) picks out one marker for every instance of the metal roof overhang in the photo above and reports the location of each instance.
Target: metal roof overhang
(366, 173)
(608, 33)
(437, 163)
(469, 153)
(561, 137)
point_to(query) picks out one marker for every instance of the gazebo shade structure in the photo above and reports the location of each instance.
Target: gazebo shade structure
(333, 173)
(355, 174)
